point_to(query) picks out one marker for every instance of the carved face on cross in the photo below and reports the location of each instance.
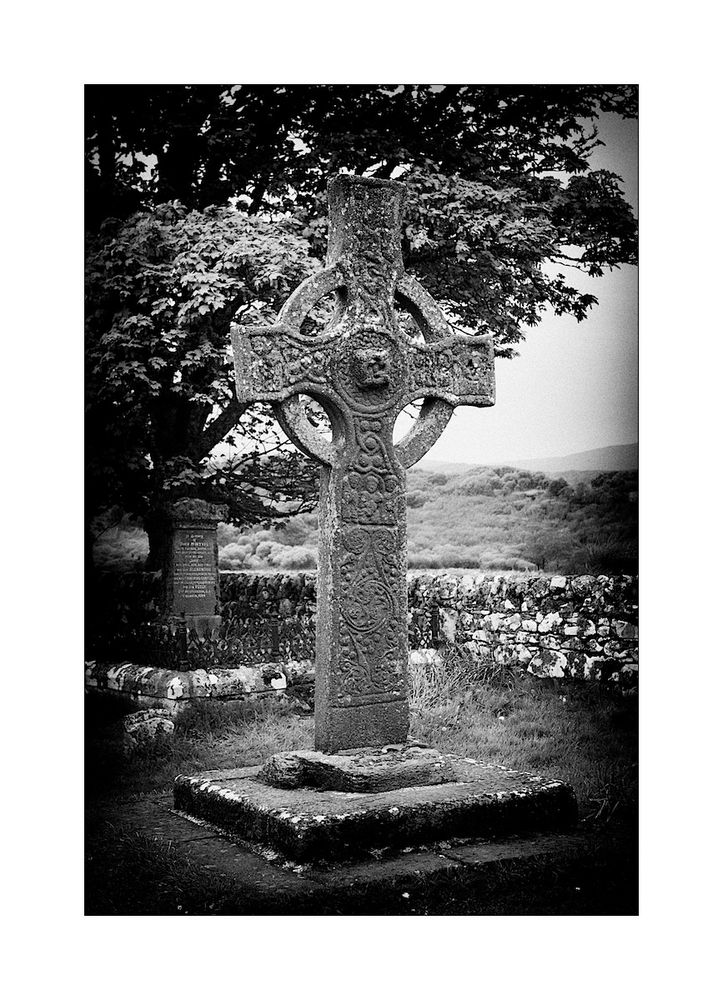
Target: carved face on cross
(363, 370)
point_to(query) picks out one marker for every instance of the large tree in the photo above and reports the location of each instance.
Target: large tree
(206, 202)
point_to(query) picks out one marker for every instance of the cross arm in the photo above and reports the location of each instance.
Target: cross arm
(273, 363)
(458, 369)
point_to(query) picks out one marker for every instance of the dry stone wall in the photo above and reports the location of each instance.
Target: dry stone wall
(551, 626)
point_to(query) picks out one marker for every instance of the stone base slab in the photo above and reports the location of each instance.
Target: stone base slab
(483, 801)
(153, 687)
(365, 770)
(530, 874)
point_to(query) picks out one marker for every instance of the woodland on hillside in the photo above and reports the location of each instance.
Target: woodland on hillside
(487, 518)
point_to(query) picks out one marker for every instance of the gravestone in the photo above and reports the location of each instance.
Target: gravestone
(366, 786)
(364, 369)
(190, 572)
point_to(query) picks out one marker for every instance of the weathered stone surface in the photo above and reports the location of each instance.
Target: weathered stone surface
(549, 622)
(484, 800)
(171, 689)
(363, 369)
(148, 723)
(366, 770)
(145, 727)
(548, 663)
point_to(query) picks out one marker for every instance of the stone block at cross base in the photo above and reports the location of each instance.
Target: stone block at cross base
(365, 770)
(308, 824)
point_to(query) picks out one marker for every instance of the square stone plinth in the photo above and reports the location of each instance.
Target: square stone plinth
(483, 800)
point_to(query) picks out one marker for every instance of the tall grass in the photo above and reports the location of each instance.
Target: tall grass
(454, 672)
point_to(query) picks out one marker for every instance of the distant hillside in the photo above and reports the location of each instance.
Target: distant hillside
(615, 458)
(482, 518)
(579, 467)
(447, 468)
(475, 517)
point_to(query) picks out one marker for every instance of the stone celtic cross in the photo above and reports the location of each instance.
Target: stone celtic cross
(363, 370)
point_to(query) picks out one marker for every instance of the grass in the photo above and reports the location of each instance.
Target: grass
(208, 735)
(577, 732)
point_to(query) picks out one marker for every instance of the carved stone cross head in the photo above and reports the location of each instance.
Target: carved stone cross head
(363, 369)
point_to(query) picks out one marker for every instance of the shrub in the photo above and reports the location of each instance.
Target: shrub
(228, 534)
(556, 487)
(479, 485)
(235, 555)
(416, 498)
(297, 557)
(511, 563)
(122, 548)
(425, 559)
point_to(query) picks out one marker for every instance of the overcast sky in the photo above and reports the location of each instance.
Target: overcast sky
(574, 385)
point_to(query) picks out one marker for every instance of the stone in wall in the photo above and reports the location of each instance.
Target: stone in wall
(548, 663)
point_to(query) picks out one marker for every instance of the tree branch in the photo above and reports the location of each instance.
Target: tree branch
(257, 198)
(219, 428)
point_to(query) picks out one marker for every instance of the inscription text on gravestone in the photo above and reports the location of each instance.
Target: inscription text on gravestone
(195, 570)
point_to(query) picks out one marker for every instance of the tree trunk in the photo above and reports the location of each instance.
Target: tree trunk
(159, 531)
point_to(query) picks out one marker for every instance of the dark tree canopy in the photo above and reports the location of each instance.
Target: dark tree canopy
(207, 201)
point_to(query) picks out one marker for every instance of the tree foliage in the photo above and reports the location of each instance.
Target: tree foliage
(162, 288)
(207, 201)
